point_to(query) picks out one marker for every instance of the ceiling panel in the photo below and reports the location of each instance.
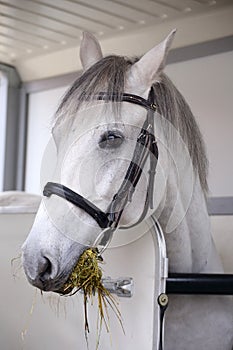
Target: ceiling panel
(30, 28)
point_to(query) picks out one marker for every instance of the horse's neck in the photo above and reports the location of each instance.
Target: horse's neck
(190, 246)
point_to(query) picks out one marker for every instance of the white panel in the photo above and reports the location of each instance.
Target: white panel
(207, 85)
(149, 7)
(120, 9)
(46, 22)
(91, 12)
(43, 11)
(42, 106)
(222, 230)
(58, 322)
(17, 35)
(3, 118)
(33, 29)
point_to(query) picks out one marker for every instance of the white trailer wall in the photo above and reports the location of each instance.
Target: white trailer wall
(42, 106)
(207, 84)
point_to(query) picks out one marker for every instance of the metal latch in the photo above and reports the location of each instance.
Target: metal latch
(122, 286)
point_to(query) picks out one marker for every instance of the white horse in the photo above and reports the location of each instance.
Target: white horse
(95, 141)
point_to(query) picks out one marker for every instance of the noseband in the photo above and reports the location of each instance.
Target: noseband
(146, 146)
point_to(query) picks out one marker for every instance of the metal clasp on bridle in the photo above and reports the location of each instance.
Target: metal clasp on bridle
(153, 106)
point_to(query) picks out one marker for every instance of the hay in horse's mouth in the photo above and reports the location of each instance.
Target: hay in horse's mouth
(87, 277)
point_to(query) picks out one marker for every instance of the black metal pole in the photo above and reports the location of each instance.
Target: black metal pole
(188, 283)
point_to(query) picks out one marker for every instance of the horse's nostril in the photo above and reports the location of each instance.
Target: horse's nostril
(46, 270)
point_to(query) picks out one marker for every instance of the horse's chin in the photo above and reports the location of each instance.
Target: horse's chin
(52, 285)
(63, 291)
(58, 286)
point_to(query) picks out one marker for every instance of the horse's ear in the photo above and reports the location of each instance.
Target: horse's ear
(147, 70)
(90, 50)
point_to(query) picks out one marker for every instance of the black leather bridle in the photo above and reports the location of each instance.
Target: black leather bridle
(146, 147)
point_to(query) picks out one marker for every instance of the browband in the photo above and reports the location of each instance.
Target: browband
(125, 97)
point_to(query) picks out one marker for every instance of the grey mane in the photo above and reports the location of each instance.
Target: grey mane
(109, 75)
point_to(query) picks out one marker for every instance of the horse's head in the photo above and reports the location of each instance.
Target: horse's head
(95, 131)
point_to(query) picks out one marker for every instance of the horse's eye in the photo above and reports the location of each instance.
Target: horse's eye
(111, 139)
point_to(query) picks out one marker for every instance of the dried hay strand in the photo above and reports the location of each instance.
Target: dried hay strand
(87, 277)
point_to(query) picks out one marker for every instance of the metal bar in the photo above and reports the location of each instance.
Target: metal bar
(12, 130)
(188, 283)
(22, 140)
